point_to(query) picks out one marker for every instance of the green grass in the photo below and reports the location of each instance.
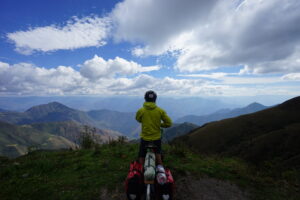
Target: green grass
(82, 174)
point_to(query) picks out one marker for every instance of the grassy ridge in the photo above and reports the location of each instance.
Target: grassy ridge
(257, 137)
(83, 174)
(64, 174)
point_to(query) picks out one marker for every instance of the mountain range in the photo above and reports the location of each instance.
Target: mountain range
(63, 125)
(124, 123)
(15, 140)
(221, 114)
(46, 113)
(262, 136)
(188, 105)
(59, 120)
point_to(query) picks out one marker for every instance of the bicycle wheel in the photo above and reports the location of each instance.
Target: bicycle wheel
(150, 192)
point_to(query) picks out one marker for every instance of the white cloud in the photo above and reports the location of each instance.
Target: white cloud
(242, 79)
(155, 21)
(263, 35)
(28, 79)
(3, 66)
(291, 77)
(164, 86)
(288, 65)
(203, 34)
(256, 81)
(216, 75)
(76, 33)
(25, 78)
(97, 67)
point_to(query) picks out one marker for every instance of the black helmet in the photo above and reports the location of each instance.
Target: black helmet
(150, 96)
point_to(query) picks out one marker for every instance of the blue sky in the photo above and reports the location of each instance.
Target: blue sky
(175, 47)
(23, 15)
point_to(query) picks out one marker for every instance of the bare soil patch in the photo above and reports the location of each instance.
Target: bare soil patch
(189, 188)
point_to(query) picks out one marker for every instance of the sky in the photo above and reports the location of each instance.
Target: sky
(175, 47)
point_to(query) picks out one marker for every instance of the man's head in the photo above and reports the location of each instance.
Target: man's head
(150, 96)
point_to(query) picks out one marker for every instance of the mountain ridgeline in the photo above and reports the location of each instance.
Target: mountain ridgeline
(123, 123)
(267, 135)
(48, 126)
(56, 112)
(50, 112)
(188, 105)
(221, 114)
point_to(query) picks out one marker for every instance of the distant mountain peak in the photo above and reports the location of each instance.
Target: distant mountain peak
(55, 103)
(52, 106)
(255, 105)
(222, 114)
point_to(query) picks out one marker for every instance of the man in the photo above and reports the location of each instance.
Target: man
(152, 118)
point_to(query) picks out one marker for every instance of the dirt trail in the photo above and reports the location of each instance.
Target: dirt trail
(208, 189)
(188, 188)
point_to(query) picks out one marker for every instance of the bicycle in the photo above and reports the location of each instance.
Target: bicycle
(149, 171)
(149, 186)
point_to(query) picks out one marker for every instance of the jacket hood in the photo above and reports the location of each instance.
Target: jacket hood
(149, 105)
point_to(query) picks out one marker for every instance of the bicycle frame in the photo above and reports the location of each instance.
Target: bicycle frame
(149, 174)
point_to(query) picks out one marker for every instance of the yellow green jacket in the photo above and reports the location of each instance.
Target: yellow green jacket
(152, 118)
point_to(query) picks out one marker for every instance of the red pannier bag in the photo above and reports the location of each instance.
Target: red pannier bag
(167, 190)
(134, 181)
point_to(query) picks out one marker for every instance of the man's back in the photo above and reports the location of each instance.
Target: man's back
(152, 118)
